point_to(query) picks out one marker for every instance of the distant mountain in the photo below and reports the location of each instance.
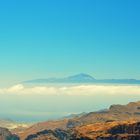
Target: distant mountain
(82, 78)
(79, 78)
(74, 115)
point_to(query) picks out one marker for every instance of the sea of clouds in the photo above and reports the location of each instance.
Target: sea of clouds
(80, 90)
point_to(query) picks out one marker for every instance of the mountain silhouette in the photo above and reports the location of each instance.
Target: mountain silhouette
(82, 78)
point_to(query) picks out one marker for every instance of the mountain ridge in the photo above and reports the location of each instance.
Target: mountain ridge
(106, 124)
(81, 78)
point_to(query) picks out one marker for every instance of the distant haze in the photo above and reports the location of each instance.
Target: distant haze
(43, 102)
(90, 49)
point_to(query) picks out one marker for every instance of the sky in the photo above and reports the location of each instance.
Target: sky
(58, 38)
(45, 38)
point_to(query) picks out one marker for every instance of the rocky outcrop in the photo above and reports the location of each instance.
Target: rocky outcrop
(110, 131)
(130, 112)
(39, 127)
(69, 128)
(5, 134)
(98, 131)
(57, 134)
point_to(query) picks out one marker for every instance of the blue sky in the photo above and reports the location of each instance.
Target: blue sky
(43, 38)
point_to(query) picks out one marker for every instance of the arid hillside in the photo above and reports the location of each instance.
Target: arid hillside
(99, 131)
(114, 122)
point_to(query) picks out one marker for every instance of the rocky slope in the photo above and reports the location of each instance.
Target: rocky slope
(130, 112)
(109, 131)
(5, 134)
(98, 131)
(117, 118)
(39, 127)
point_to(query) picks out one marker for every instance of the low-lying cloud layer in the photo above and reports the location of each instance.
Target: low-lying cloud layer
(72, 90)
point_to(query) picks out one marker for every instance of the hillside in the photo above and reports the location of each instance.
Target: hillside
(5, 134)
(124, 130)
(102, 121)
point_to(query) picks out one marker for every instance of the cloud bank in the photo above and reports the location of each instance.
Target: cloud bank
(72, 90)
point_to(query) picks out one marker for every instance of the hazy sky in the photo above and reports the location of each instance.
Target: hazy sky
(43, 38)
(39, 103)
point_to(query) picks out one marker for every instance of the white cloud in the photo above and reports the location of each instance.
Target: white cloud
(16, 88)
(72, 90)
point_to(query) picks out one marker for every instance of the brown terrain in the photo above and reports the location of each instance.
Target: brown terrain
(5, 134)
(124, 130)
(119, 122)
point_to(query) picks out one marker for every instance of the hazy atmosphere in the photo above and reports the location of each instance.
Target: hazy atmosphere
(55, 39)
(41, 103)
